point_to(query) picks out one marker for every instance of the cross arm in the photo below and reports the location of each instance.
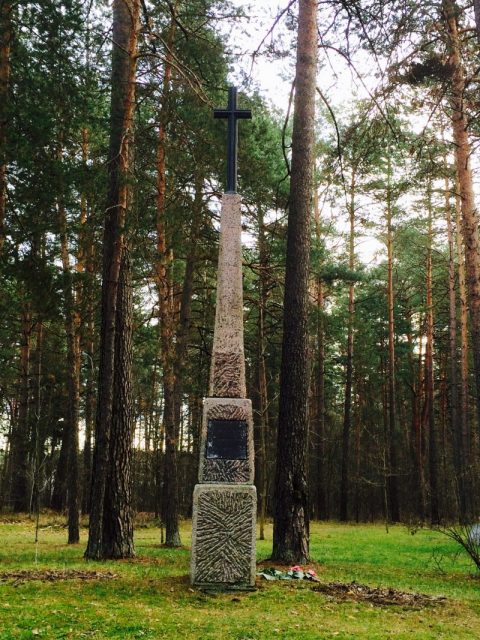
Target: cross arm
(242, 114)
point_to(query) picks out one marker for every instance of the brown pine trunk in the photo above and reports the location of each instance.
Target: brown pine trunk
(321, 481)
(183, 329)
(87, 259)
(420, 426)
(384, 452)
(261, 454)
(118, 517)
(392, 483)
(322, 508)
(358, 449)
(429, 377)
(37, 440)
(413, 468)
(166, 318)
(347, 408)
(291, 517)
(462, 292)
(125, 32)
(476, 6)
(5, 47)
(470, 220)
(72, 322)
(455, 424)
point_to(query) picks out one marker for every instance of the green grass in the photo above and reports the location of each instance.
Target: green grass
(152, 598)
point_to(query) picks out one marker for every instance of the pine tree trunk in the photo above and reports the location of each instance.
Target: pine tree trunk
(166, 318)
(429, 377)
(420, 427)
(455, 424)
(413, 468)
(72, 321)
(322, 502)
(392, 483)
(321, 488)
(291, 517)
(470, 220)
(183, 328)
(476, 6)
(125, 32)
(37, 441)
(118, 516)
(5, 47)
(261, 454)
(463, 388)
(347, 408)
(88, 336)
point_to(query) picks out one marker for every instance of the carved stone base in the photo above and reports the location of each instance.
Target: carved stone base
(223, 470)
(224, 536)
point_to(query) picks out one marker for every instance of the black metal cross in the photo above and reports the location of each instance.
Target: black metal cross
(233, 114)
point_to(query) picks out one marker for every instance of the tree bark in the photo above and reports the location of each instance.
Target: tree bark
(125, 32)
(37, 438)
(291, 517)
(5, 48)
(183, 327)
(118, 517)
(72, 326)
(456, 426)
(347, 408)
(321, 488)
(88, 336)
(470, 219)
(166, 318)
(463, 417)
(419, 427)
(392, 483)
(429, 376)
(476, 6)
(261, 455)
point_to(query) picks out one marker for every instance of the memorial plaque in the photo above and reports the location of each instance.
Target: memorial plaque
(226, 440)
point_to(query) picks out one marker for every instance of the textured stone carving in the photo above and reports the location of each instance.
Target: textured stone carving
(227, 372)
(227, 375)
(224, 535)
(221, 470)
(226, 471)
(226, 412)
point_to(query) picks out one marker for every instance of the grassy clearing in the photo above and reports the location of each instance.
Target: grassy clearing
(151, 596)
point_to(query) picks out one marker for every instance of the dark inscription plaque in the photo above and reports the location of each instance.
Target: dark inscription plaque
(226, 440)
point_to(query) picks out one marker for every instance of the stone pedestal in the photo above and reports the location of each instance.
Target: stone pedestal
(224, 535)
(225, 500)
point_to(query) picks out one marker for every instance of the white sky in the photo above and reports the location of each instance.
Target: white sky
(273, 80)
(337, 81)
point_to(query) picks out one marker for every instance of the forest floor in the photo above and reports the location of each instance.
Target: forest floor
(373, 585)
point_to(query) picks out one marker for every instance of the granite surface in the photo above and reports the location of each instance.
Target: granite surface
(224, 535)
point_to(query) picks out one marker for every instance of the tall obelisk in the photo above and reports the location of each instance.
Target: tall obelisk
(225, 500)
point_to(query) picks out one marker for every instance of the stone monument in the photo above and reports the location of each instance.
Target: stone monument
(225, 500)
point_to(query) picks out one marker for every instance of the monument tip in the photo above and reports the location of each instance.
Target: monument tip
(232, 114)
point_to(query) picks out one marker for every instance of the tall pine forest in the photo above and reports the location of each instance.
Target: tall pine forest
(111, 172)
